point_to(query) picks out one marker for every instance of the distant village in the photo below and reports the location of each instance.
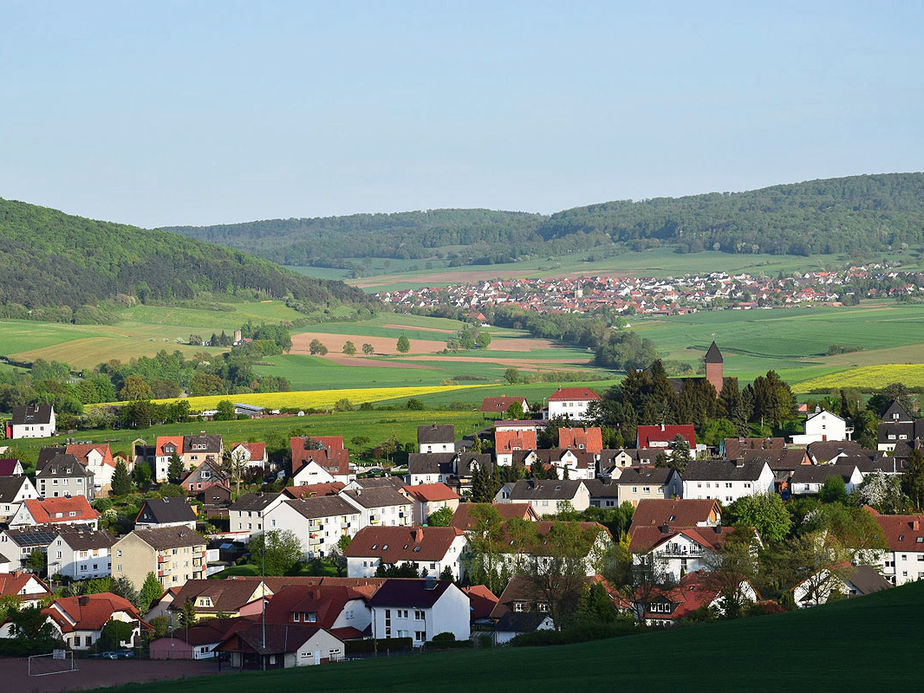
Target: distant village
(667, 296)
(476, 541)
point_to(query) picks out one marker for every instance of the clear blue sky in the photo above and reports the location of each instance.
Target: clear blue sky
(162, 113)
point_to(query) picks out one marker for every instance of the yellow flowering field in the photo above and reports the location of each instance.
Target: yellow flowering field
(866, 378)
(316, 399)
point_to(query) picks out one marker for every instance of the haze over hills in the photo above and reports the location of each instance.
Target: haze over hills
(856, 214)
(61, 267)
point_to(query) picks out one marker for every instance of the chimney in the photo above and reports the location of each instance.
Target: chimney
(717, 529)
(664, 529)
(915, 525)
(429, 583)
(662, 427)
(83, 601)
(418, 535)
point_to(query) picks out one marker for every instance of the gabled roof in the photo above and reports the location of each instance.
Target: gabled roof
(521, 621)
(63, 466)
(81, 451)
(321, 506)
(335, 461)
(32, 414)
(734, 447)
(645, 538)
(163, 441)
(10, 486)
(463, 519)
(544, 489)
(778, 459)
(436, 433)
(467, 462)
(331, 488)
(160, 538)
(413, 593)
(326, 602)
(481, 600)
(8, 466)
(499, 405)
(208, 443)
(13, 584)
(695, 590)
(400, 544)
(647, 435)
(589, 439)
(507, 441)
(47, 453)
(896, 412)
(430, 463)
(165, 510)
(376, 497)
(48, 510)
(902, 532)
(254, 502)
(280, 639)
(819, 473)
(430, 493)
(678, 512)
(84, 538)
(227, 596)
(257, 450)
(826, 450)
(574, 394)
(88, 612)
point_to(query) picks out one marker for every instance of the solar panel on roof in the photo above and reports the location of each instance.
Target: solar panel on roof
(35, 538)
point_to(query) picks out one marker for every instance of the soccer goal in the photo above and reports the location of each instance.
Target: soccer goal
(56, 662)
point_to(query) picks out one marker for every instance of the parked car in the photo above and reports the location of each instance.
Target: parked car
(118, 654)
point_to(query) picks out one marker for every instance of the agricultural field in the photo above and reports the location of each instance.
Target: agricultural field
(750, 650)
(866, 378)
(794, 341)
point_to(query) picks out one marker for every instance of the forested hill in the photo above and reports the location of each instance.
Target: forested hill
(869, 213)
(51, 260)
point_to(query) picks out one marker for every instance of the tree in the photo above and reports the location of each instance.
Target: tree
(882, 492)
(150, 590)
(175, 469)
(733, 407)
(204, 384)
(913, 479)
(680, 454)
(764, 512)
(135, 389)
(404, 345)
(315, 347)
(730, 567)
(834, 490)
(893, 392)
(718, 430)
(483, 340)
(512, 375)
(37, 562)
(124, 587)
(187, 615)
(224, 411)
(485, 484)
(349, 348)
(440, 518)
(515, 412)
(415, 404)
(114, 633)
(283, 551)
(482, 556)
(121, 481)
(368, 349)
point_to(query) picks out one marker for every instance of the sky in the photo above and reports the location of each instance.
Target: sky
(168, 113)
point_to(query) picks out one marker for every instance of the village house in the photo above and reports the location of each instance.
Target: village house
(80, 553)
(173, 554)
(247, 514)
(594, 542)
(431, 550)
(436, 438)
(571, 403)
(319, 459)
(506, 443)
(500, 405)
(166, 512)
(675, 551)
(205, 476)
(383, 505)
(428, 498)
(32, 421)
(615, 459)
(192, 450)
(634, 484)
(10, 466)
(195, 643)
(837, 452)
(809, 480)
(96, 457)
(588, 439)
(726, 482)
(80, 620)
(419, 609)
(547, 496)
(286, 646)
(251, 455)
(13, 491)
(566, 463)
(677, 512)
(18, 543)
(898, 426)
(520, 609)
(903, 560)
(317, 522)
(694, 591)
(823, 426)
(27, 587)
(209, 599)
(430, 468)
(339, 605)
(661, 436)
(41, 511)
(783, 462)
(63, 475)
(845, 581)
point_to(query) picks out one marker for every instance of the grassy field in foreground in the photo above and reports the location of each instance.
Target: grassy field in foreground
(868, 643)
(376, 425)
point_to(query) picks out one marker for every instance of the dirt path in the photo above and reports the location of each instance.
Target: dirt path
(419, 329)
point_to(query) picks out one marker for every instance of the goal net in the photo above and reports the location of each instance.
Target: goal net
(56, 662)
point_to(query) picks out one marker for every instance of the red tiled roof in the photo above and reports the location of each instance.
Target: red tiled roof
(60, 509)
(13, 583)
(589, 439)
(89, 612)
(678, 512)
(643, 539)
(462, 518)
(257, 450)
(400, 544)
(325, 601)
(163, 440)
(902, 532)
(500, 404)
(507, 441)
(666, 434)
(482, 601)
(81, 451)
(694, 591)
(310, 490)
(574, 394)
(429, 493)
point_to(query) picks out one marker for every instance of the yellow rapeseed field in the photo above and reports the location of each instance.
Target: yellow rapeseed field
(315, 399)
(866, 378)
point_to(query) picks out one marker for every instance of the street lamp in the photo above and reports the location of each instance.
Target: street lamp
(263, 600)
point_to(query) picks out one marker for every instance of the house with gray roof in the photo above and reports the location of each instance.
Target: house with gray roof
(64, 475)
(726, 480)
(318, 521)
(166, 512)
(546, 495)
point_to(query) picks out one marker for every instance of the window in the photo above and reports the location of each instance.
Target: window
(420, 635)
(418, 615)
(519, 607)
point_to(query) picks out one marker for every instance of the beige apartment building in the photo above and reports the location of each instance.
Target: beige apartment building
(173, 554)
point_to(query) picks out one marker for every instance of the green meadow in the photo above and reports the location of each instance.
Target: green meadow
(866, 643)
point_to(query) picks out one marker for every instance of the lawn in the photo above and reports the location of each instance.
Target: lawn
(868, 643)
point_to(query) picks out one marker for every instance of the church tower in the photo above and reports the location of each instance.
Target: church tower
(714, 367)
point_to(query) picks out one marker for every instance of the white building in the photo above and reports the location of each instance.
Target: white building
(904, 560)
(32, 421)
(726, 481)
(318, 522)
(13, 491)
(80, 553)
(420, 609)
(676, 551)
(571, 402)
(822, 426)
(546, 496)
(380, 506)
(429, 549)
(436, 438)
(809, 479)
(247, 514)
